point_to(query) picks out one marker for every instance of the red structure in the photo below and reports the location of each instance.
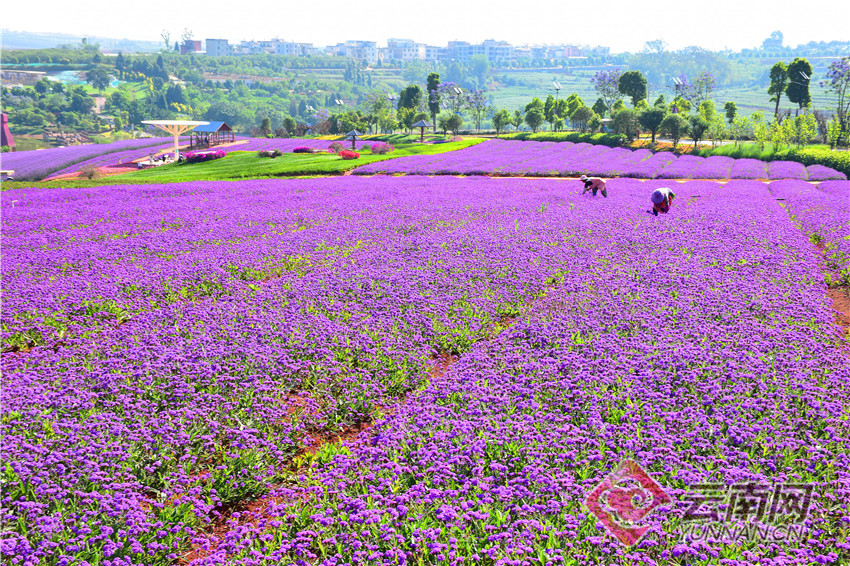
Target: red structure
(6, 137)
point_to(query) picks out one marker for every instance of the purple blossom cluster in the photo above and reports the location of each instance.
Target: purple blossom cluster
(536, 159)
(186, 341)
(824, 215)
(787, 170)
(751, 169)
(37, 164)
(204, 155)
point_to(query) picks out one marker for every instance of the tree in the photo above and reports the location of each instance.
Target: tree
(679, 104)
(698, 126)
(453, 97)
(651, 119)
(675, 127)
(572, 103)
(501, 119)
(166, 38)
(838, 82)
(699, 90)
(581, 116)
(535, 114)
(517, 119)
(707, 110)
(534, 118)
(731, 111)
(778, 82)
(290, 124)
(410, 97)
(607, 85)
(548, 109)
(799, 75)
(42, 86)
(434, 97)
(599, 107)
(443, 121)
(454, 123)
(479, 107)
(175, 94)
(98, 78)
(266, 127)
(406, 117)
(633, 85)
(660, 101)
(625, 122)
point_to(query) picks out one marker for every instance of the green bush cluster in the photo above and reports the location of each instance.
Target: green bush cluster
(610, 140)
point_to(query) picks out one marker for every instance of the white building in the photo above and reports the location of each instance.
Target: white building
(218, 47)
(363, 50)
(406, 50)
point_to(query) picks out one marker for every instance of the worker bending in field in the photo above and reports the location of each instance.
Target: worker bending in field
(594, 184)
(661, 199)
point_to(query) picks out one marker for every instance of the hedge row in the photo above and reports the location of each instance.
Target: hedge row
(610, 140)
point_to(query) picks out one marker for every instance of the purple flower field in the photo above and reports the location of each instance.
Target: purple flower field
(37, 164)
(174, 354)
(824, 215)
(536, 159)
(114, 158)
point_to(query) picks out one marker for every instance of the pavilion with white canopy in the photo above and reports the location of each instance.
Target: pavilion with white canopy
(175, 128)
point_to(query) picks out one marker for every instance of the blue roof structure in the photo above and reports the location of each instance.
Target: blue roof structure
(212, 127)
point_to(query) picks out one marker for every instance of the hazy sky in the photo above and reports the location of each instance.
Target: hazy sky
(624, 25)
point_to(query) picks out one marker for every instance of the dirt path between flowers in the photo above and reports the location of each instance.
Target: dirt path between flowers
(251, 512)
(841, 303)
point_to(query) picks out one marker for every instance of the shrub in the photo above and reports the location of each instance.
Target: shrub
(200, 156)
(270, 153)
(335, 147)
(303, 149)
(89, 172)
(382, 148)
(349, 154)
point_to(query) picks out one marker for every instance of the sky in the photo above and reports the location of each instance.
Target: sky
(623, 25)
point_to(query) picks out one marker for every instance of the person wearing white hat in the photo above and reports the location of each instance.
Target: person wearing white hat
(661, 199)
(594, 184)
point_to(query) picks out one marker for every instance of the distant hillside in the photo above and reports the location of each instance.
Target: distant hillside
(34, 40)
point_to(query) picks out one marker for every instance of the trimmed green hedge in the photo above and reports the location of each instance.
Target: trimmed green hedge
(610, 140)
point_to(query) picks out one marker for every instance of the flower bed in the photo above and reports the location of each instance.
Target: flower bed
(206, 155)
(189, 340)
(540, 159)
(345, 154)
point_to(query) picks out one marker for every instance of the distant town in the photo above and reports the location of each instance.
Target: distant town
(396, 50)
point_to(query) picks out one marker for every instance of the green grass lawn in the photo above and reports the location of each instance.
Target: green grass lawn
(248, 165)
